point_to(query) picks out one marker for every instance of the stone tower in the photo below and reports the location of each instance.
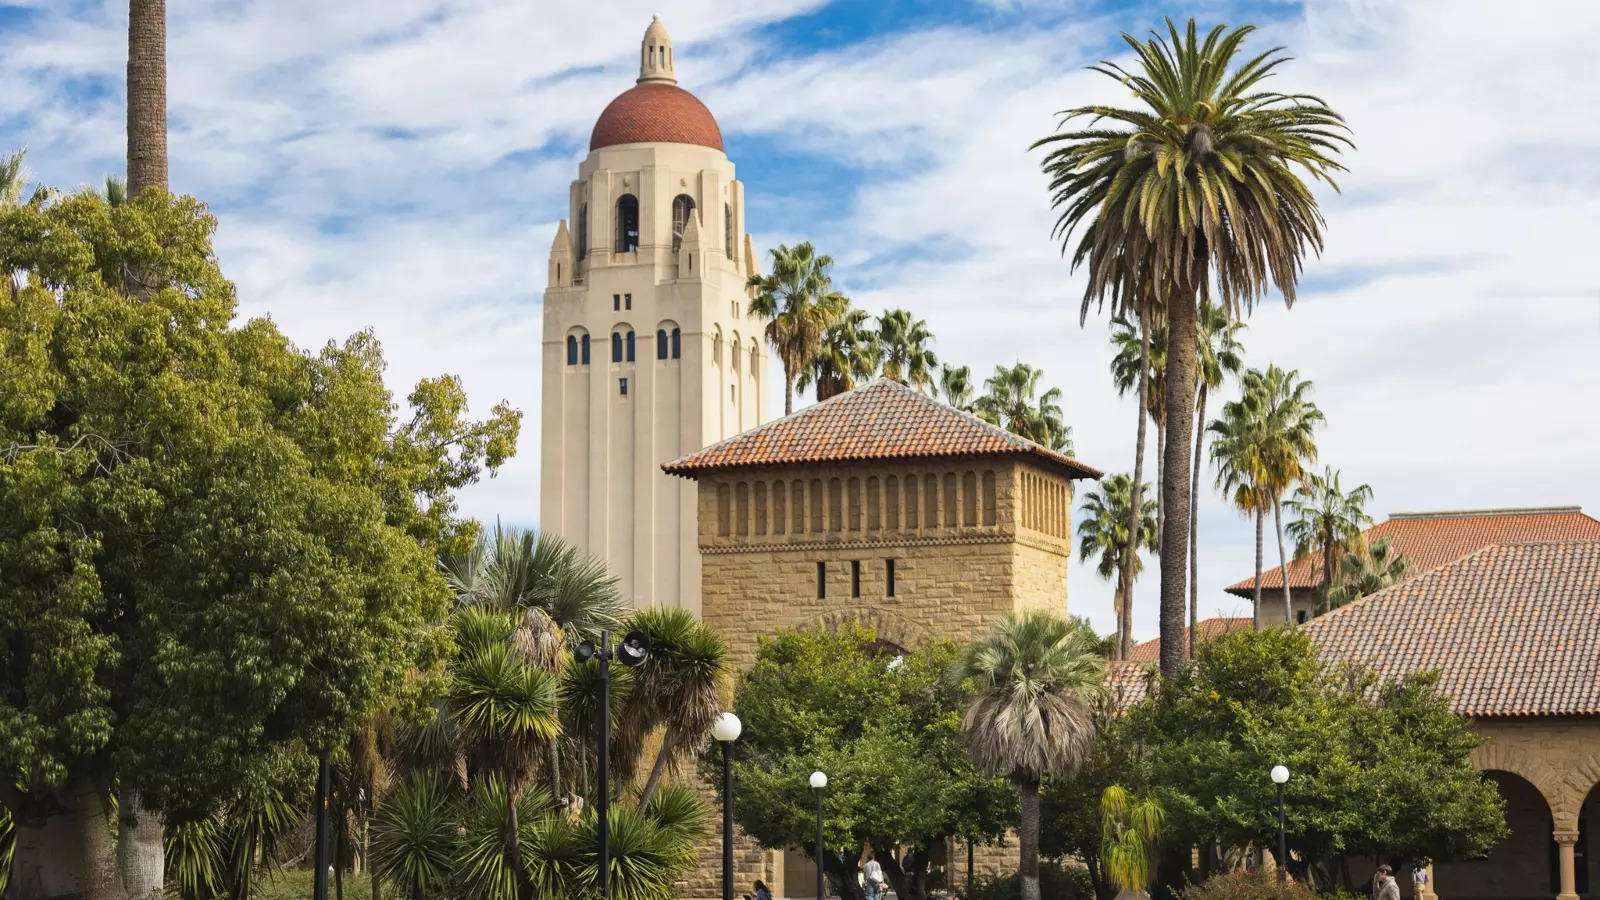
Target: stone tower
(648, 354)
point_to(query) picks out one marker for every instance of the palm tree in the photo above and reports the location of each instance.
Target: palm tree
(956, 385)
(1366, 569)
(147, 95)
(799, 303)
(1141, 359)
(1129, 831)
(849, 355)
(1011, 400)
(677, 688)
(1263, 441)
(903, 352)
(1218, 354)
(1327, 519)
(1197, 189)
(12, 177)
(1103, 537)
(1038, 678)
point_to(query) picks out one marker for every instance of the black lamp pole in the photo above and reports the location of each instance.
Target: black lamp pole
(319, 879)
(820, 892)
(1283, 844)
(727, 820)
(603, 744)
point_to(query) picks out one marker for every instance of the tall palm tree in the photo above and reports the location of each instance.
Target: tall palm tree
(849, 355)
(677, 688)
(1011, 400)
(1141, 359)
(1327, 519)
(147, 95)
(1366, 569)
(1038, 678)
(799, 303)
(1201, 187)
(1218, 354)
(903, 352)
(1103, 537)
(955, 383)
(1264, 440)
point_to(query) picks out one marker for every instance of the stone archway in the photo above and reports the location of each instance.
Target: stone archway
(1518, 868)
(1500, 756)
(889, 627)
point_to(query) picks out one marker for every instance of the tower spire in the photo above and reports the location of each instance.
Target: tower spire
(655, 55)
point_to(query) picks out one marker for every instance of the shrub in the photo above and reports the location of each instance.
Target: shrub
(1257, 885)
(1056, 882)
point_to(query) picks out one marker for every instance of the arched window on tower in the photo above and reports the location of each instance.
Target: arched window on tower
(727, 229)
(630, 346)
(677, 343)
(572, 349)
(583, 231)
(627, 224)
(583, 347)
(682, 209)
(661, 343)
(616, 346)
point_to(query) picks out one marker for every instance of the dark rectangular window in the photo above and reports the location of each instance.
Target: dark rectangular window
(888, 576)
(855, 577)
(584, 345)
(622, 386)
(661, 343)
(616, 302)
(627, 301)
(630, 346)
(822, 581)
(677, 343)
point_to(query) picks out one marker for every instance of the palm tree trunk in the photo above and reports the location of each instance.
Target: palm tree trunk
(1028, 838)
(1194, 521)
(1122, 618)
(1178, 414)
(1161, 505)
(656, 771)
(147, 95)
(1283, 563)
(1327, 573)
(1135, 499)
(555, 769)
(788, 392)
(1256, 587)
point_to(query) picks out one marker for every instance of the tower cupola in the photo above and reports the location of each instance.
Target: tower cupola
(655, 55)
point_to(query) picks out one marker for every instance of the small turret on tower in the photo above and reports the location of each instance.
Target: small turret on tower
(689, 249)
(561, 257)
(655, 55)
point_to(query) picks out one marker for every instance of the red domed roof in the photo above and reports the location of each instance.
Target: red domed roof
(655, 112)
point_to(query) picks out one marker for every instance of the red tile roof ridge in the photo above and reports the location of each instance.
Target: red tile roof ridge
(1475, 513)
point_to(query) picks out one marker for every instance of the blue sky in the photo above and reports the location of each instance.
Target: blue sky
(401, 164)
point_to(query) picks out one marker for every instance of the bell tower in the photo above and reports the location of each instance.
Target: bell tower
(648, 354)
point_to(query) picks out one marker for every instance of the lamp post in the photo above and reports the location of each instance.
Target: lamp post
(319, 878)
(726, 730)
(819, 780)
(1280, 775)
(632, 652)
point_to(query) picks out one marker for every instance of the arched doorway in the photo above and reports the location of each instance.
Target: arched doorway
(1521, 867)
(1586, 855)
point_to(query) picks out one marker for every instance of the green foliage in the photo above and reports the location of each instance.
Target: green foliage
(413, 837)
(903, 351)
(1011, 400)
(1375, 769)
(1257, 885)
(799, 304)
(1369, 567)
(882, 724)
(847, 355)
(1129, 830)
(1056, 882)
(230, 850)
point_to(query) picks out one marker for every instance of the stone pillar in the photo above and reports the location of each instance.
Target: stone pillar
(1566, 841)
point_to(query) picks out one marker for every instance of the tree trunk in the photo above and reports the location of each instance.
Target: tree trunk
(1178, 435)
(1256, 587)
(1194, 522)
(1122, 618)
(652, 783)
(147, 95)
(140, 855)
(63, 848)
(1327, 573)
(788, 392)
(1161, 505)
(842, 876)
(1135, 495)
(1028, 838)
(1283, 563)
(556, 790)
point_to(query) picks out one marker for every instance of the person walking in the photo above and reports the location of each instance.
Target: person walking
(1384, 887)
(761, 891)
(872, 875)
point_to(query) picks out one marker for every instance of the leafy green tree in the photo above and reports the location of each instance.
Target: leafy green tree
(1367, 569)
(903, 351)
(849, 355)
(1263, 441)
(955, 383)
(1197, 191)
(1103, 538)
(1354, 749)
(799, 303)
(883, 724)
(1011, 400)
(1329, 519)
(1218, 355)
(1037, 679)
(212, 544)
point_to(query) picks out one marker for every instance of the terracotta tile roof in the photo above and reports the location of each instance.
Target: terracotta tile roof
(1514, 629)
(1210, 629)
(654, 112)
(1129, 681)
(1433, 539)
(881, 420)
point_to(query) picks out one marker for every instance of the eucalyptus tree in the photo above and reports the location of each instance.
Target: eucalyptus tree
(1103, 539)
(1198, 190)
(903, 351)
(1328, 520)
(799, 303)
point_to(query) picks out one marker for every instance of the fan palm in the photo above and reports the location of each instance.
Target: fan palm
(955, 383)
(514, 570)
(1103, 537)
(1264, 439)
(903, 352)
(677, 687)
(849, 355)
(1327, 519)
(1218, 354)
(798, 302)
(1011, 400)
(1197, 188)
(1367, 569)
(1037, 679)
